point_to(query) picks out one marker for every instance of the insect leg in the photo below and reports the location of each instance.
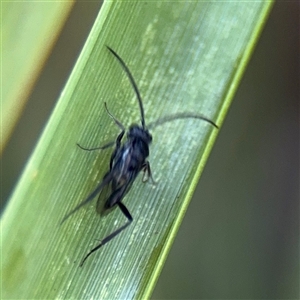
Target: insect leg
(146, 168)
(110, 144)
(116, 121)
(118, 145)
(127, 214)
(119, 138)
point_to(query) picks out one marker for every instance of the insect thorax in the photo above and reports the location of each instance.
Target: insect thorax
(137, 145)
(137, 132)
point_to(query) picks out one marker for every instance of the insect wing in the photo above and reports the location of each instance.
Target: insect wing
(106, 181)
(103, 197)
(116, 196)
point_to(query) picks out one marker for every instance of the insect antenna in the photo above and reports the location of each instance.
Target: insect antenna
(184, 115)
(133, 83)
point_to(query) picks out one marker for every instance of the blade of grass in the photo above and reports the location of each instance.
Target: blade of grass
(28, 30)
(185, 57)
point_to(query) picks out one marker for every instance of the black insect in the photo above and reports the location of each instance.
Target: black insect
(127, 161)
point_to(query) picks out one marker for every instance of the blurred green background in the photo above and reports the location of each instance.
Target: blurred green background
(240, 236)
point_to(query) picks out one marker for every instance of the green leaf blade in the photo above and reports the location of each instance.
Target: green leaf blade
(184, 57)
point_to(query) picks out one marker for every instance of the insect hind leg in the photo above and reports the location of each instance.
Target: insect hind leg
(127, 214)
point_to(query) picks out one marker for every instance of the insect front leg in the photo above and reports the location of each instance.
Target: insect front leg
(118, 145)
(146, 169)
(119, 138)
(116, 121)
(110, 144)
(127, 214)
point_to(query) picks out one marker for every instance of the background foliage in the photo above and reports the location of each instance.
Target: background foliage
(218, 236)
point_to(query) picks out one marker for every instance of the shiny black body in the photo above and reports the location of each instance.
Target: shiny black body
(127, 161)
